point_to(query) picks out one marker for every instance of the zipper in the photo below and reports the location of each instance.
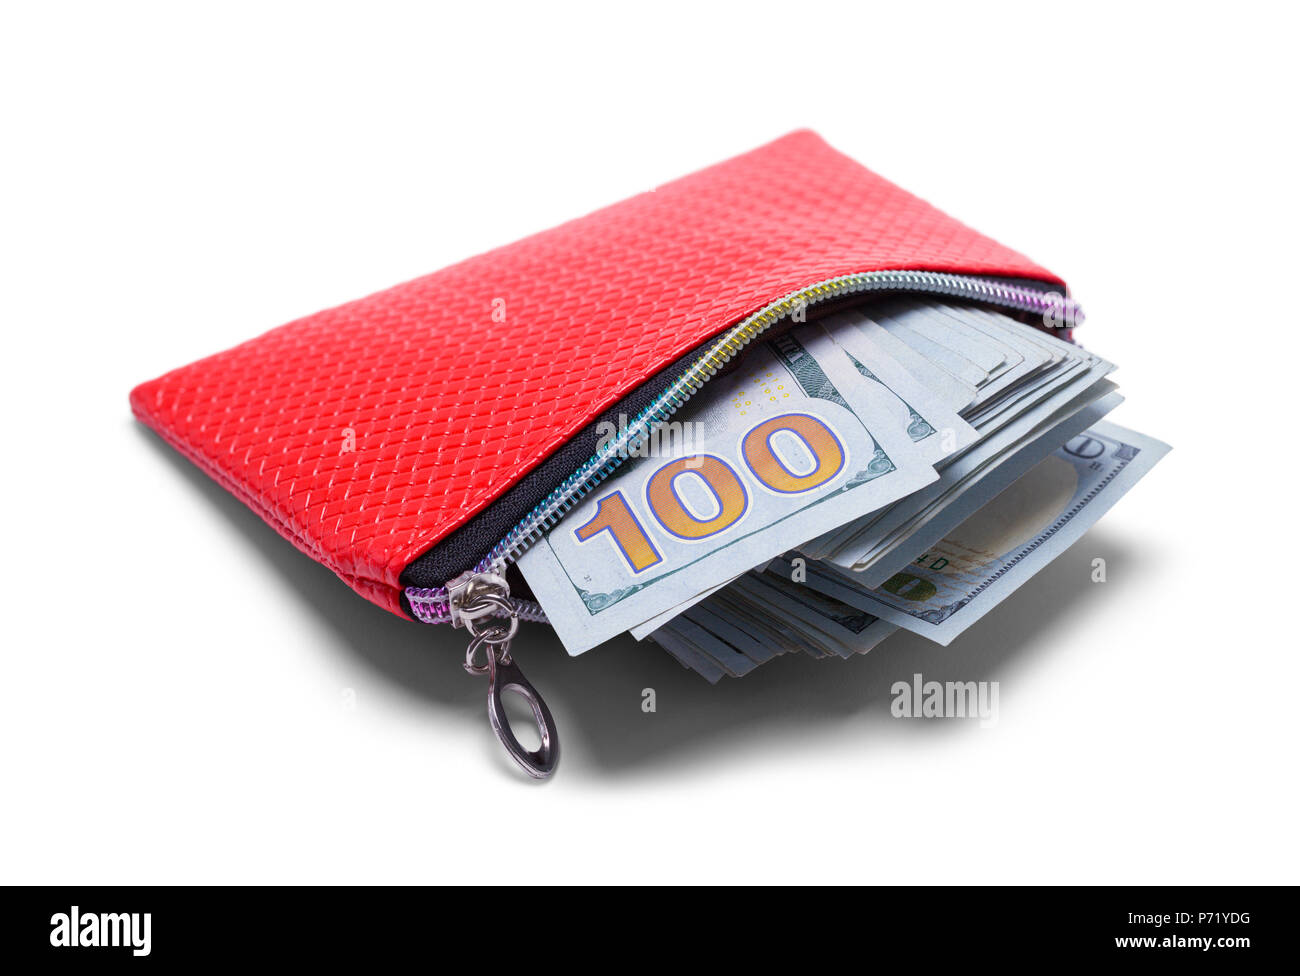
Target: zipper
(481, 603)
(430, 604)
(484, 591)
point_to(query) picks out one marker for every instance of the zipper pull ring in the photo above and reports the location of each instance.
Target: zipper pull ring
(479, 600)
(504, 675)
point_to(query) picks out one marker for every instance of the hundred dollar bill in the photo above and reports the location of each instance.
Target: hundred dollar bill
(839, 628)
(986, 558)
(1028, 379)
(779, 454)
(951, 390)
(852, 545)
(898, 553)
(648, 627)
(848, 358)
(931, 425)
(894, 527)
(761, 617)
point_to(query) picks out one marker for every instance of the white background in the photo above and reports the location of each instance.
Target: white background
(176, 676)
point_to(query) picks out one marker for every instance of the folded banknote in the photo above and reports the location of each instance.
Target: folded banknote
(906, 465)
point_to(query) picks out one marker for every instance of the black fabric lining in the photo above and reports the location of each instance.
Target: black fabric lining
(466, 546)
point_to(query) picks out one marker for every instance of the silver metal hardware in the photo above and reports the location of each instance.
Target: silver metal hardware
(481, 603)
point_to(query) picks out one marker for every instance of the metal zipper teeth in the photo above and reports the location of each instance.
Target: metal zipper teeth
(430, 603)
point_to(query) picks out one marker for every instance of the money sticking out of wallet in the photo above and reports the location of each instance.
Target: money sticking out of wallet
(907, 464)
(777, 405)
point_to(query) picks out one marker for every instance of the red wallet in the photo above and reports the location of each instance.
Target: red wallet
(426, 434)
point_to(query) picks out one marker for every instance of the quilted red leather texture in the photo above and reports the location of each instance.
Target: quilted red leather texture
(366, 433)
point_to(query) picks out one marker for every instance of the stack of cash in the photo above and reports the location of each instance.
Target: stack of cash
(908, 465)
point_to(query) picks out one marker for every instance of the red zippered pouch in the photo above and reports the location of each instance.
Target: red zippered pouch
(409, 436)
(427, 434)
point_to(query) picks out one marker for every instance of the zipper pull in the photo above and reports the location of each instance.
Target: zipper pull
(481, 603)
